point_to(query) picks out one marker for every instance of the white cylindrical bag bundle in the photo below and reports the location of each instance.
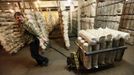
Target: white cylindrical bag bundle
(65, 22)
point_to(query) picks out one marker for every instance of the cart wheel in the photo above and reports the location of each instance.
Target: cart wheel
(73, 62)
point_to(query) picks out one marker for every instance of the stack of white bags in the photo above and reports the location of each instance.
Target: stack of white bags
(88, 13)
(98, 39)
(36, 25)
(112, 9)
(10, 34)
(65, 19)
(51, 19)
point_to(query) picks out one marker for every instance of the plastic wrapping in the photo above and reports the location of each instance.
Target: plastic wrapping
(36, 25)
(65, 19)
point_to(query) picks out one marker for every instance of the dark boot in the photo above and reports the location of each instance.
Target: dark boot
(43, 61)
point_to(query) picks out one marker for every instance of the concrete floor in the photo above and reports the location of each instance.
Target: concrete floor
(23, 64)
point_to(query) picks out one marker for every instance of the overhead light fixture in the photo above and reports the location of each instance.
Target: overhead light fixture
(38, 1)
(69, 0)
(8, 3)
(11, 10)
(32, 10)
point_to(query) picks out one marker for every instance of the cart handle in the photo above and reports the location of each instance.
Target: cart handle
(101, 51)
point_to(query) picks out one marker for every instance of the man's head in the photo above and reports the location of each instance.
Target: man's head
(19, 17)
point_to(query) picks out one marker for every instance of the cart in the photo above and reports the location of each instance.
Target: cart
(74, 62)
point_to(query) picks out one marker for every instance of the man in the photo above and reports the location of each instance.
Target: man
(34, 45)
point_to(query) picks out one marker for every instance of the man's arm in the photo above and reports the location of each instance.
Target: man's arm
(30, 28)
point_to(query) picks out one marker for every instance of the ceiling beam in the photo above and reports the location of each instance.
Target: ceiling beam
(29, 0)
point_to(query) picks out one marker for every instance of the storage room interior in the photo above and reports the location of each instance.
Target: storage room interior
(70, 37)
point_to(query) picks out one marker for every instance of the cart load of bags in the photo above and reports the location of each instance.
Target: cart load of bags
(91, 40)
